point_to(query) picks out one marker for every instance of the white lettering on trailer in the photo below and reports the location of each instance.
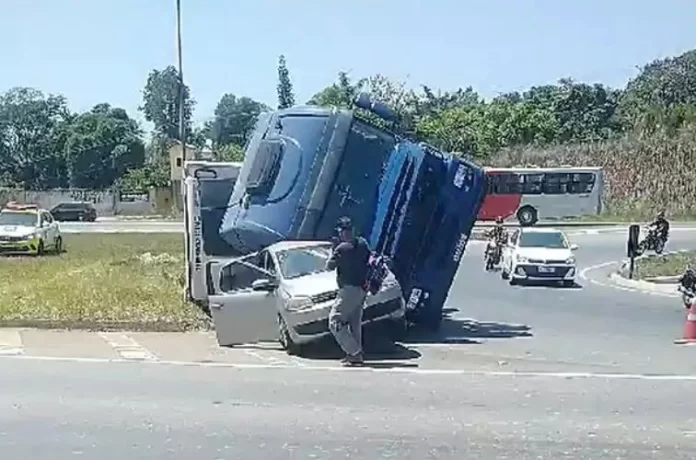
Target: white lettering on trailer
(459, 249)
(413, 298)
(197, 232)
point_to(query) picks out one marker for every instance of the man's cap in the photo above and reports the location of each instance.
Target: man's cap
(344, 223)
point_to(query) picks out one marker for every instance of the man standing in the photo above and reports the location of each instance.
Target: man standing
(350, 259)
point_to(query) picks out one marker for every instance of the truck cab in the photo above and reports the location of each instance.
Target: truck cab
(307, 166)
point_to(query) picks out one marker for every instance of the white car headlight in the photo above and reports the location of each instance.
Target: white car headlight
(570, 260)
(520, 258)
(298, 303)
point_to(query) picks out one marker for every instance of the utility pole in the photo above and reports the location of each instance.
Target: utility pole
(182, 111)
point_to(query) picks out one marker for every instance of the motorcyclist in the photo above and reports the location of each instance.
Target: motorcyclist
(497, 235)
(661, 226)
(687, 286)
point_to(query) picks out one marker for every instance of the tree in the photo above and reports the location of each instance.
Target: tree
(101, 145)
(161, 102)
(340, 94)
(286, 97)
(32, 132)
(662, 95)
(234, 120)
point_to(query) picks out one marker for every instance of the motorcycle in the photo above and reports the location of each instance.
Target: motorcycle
(493, 255)
(688, 297)
(652, 242)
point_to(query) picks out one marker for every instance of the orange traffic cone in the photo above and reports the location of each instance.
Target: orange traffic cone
(689, 327)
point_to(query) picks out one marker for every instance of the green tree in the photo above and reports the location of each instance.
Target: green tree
(161, 102)
(234, 120)
(32, 133)
(340, 94)
(286, 96)
(662, 95)
(101, 146)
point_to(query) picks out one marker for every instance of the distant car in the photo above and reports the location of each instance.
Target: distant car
(26, 229)
(539, 254)
(76, 211)
(285, 293)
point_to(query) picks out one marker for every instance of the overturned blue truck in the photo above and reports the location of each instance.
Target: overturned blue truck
(307, 166)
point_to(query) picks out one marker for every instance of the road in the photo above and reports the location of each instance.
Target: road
(518, 372)
(68, 410)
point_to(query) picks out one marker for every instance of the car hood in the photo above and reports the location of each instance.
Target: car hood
(545, 253)
(16, 230)
(311, 285)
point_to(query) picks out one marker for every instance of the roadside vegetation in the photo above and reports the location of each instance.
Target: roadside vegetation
(665, 265)
(102, 281)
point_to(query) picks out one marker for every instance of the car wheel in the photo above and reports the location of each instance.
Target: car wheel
(513, 281)
(59, 245)
(504, 274)
(285, 340)
(527, 216)
(41, 249)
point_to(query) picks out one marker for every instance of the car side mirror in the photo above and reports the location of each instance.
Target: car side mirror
(263, 285)
(573, 247)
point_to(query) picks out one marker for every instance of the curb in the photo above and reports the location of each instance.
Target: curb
(664, 285)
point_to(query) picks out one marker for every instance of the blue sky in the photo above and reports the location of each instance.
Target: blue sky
(102, 50)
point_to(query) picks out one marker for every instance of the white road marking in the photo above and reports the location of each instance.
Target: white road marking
(126, 347)
(265, 359)
(386, 370)
(584, 271)
(11, 342)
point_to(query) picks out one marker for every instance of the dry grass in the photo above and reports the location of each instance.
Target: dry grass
(132, 281)
(642, 175)
(666, 265)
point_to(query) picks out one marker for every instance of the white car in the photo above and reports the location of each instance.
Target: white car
(285, 293)
(26, 229)
(539, 254)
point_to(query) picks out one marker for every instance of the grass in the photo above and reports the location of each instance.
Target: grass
(666, 265)
(102, 281)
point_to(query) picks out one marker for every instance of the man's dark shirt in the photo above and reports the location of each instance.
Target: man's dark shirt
(350, 261)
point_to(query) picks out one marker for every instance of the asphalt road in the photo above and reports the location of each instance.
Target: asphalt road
(543, 373)
(67, 410)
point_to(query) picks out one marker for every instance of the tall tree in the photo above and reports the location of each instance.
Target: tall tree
(101, 146)
(161, 102)
(340, 94)
(286, 96)
(32, 131)
(234, 120)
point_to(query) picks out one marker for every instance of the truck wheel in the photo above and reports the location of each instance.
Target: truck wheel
(527, 216)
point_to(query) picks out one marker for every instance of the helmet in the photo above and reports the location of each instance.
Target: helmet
(661, 215)
(499, 221)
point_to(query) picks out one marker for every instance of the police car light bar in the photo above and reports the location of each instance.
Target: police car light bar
(13, 206)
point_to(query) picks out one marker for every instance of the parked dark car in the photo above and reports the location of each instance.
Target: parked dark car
(78, 211)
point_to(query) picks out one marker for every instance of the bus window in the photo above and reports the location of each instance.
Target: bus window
(582, 183)
(504, 184)
(556, 183)
(532, 184)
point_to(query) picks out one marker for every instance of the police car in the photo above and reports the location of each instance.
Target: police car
(26, 229)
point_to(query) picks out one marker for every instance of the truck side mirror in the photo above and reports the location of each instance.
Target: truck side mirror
(633, 236)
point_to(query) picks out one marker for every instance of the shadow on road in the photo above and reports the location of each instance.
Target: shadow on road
(374, 348)
(467, 331)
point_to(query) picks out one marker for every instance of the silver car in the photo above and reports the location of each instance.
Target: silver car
(285, 293)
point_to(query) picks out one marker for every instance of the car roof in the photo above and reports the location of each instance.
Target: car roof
(541, 230)
(285, 245)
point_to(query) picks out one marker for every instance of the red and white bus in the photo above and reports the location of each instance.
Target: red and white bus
(533, 194)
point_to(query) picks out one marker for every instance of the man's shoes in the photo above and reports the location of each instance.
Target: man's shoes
(352, 360)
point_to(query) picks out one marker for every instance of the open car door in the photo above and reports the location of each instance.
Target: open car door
(244, 309)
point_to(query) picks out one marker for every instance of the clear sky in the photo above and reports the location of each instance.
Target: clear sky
(102, 50)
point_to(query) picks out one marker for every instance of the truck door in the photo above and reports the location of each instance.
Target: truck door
(245, 310)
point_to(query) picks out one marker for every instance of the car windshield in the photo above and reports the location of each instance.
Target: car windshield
(552, 240)
(301, 261)
(25, 219)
